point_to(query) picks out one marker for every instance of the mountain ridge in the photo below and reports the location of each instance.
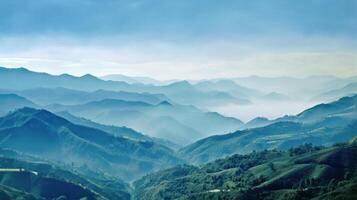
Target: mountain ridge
(41, 133)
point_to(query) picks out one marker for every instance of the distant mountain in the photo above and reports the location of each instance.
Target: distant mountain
(180, 92)
(180, 124)
(29, 79)
(305, 172)
(348, 90)
(343, 109)
(41, 133)
(10, 102)
(185, 93)
(257, 122)
(46, 96)
(135, 79)
(116, 130)
(274, 96)
(323, 124)
(229, 86)
(296, 88)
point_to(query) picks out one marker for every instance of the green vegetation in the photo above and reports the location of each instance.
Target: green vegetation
(7, 193)
(41, 179)
(305, 172)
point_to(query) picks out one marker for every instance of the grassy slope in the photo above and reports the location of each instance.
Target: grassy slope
(316, 173)
(53, 181)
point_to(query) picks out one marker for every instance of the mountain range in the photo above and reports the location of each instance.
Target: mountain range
(119, 131)
(324, 124)
(68, 137)
(181, 92)
(46, 96)
(41, 133)
(179, 123)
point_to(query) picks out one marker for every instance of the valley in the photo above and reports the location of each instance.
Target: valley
(125, 141)
(178, 100)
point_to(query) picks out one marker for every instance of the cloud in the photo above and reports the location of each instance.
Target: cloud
(186, 61)
(174, 20)
(180, 39)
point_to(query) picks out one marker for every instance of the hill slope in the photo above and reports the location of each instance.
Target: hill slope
(350, 89)
(10, 102)
(48, 180)
(41, 133)
(302, 173)
(116, 130)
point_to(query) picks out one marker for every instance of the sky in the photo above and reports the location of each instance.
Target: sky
(181, 39)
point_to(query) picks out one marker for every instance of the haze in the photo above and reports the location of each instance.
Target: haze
(180, 39)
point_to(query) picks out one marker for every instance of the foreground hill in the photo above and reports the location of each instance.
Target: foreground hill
(7, 193)
(323, 124)
(41, 133)
(180, 124)
(302, 173)
(31, 178)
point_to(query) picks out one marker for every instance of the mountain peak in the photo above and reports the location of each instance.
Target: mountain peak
(38, 113)
(26, 110)
(181, 83)
(88, 76)
(259, 119)
(10, 95)
(164, 103)
(19, 69)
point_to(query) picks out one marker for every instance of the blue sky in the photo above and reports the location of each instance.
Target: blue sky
(181, 39)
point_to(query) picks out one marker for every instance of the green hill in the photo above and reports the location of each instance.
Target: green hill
(305, 172)
(7, 193)
(42, 179)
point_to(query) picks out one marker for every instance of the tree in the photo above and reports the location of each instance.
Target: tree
(271, 166)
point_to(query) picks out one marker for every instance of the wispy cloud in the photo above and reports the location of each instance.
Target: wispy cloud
(180, 39)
